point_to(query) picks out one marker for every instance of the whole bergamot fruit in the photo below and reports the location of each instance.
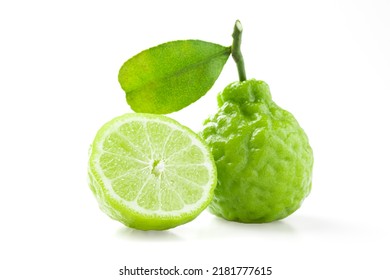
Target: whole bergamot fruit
(263, 157)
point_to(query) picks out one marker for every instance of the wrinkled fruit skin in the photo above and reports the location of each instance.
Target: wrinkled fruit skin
(263, 157)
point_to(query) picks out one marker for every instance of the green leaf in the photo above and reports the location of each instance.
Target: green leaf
(171, 76)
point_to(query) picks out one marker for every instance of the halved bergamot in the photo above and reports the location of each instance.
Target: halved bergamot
(149, 172)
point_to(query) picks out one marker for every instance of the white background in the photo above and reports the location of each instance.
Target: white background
(327, 62)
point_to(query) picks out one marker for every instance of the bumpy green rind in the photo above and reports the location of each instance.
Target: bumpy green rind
(263, 157)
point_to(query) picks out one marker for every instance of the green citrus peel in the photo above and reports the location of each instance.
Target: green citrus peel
(263, 157)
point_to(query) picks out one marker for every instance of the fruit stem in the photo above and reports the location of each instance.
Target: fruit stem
(236, 50)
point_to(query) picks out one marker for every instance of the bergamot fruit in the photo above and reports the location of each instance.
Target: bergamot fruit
(263, 157)
(149, 172)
